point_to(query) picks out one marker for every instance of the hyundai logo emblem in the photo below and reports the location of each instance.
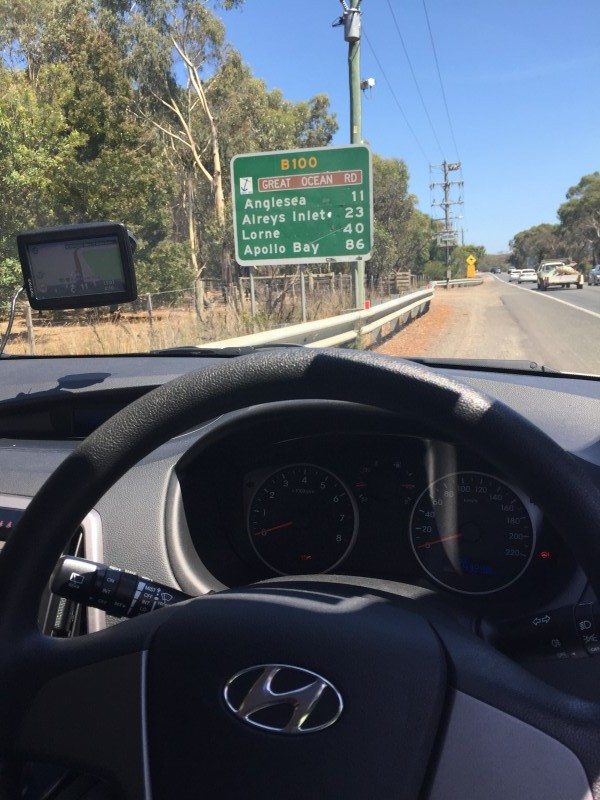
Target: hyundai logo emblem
(283, 699)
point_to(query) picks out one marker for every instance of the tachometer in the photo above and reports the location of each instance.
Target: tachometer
(302, 518)
(472, 533)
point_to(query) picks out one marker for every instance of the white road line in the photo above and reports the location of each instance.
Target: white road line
(549, 297)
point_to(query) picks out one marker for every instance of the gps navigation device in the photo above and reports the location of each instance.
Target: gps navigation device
(78, 266)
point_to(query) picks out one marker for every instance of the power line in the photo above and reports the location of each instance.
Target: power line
(414, 77)
(439, 72)
(393, 93)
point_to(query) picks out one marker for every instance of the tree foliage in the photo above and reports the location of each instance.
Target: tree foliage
(90, 92)
(491, 260)
(435, 270)
(37, 153)
(402, 233)
(459, 257)
(132, 111)
(580, 218)
(531, 246)
(576, 236)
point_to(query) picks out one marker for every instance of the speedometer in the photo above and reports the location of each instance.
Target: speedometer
(302, 518)
(472, 533)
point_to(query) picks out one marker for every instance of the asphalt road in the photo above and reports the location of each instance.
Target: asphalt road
(588, 297)
(559, 329)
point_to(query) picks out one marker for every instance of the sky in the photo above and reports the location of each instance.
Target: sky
(520, 76)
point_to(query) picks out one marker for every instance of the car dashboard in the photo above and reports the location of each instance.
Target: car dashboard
(239, 498)
(279, 498)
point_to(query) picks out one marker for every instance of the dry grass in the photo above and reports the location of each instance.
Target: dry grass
(102, 334)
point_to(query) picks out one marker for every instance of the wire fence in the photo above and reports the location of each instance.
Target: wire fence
(268, 291)
(205, 312)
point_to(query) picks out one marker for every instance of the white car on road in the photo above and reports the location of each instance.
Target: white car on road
(528, 276)
(513, 274)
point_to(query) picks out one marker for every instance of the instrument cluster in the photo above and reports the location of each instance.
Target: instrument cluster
(402, 508)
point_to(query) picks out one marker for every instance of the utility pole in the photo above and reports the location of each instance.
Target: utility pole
(352, 31)
(351, 20)
(448, 236)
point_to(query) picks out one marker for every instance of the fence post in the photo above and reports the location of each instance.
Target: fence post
(303, 292)
(252, 293)
(199, 298)
(30, 336)
(150, 310)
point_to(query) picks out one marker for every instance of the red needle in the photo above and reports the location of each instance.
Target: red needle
(274, 528)
(442, 539)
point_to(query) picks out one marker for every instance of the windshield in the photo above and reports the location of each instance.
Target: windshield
(374, 183)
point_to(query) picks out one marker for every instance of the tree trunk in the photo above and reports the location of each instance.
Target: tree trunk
(219, 203)
(216, 175)
(219, 196)
(193, 240)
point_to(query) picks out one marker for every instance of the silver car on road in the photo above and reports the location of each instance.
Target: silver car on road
(594, 276)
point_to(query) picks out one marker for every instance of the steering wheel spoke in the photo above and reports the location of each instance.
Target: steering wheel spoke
(508, 734)
(83, 704)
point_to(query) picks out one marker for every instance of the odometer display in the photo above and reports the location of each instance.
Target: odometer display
(472, 533)
(302, 518)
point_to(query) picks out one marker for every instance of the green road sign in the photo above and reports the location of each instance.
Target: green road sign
(303, 206)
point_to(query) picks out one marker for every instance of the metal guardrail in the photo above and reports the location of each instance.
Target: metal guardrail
(355, 326)
(460, 282)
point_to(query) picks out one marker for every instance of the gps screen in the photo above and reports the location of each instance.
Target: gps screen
(76, 268)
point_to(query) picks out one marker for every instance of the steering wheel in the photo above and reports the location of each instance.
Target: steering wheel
(413, 704)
